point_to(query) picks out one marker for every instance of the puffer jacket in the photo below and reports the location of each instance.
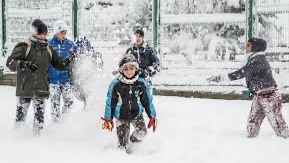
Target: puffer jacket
(145, 56)
(63, 47)
(125, 101)
(257, 72)
(33, 84)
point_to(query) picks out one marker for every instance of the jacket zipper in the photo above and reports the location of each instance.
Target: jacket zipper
(38, 55)
(138, 55)
(130, 92)
(24, 82)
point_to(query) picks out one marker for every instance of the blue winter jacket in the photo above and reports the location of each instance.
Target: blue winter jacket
(126, 101)
(62, 47)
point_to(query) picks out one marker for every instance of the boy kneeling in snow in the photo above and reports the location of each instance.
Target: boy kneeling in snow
(127, 97)
(267, 100)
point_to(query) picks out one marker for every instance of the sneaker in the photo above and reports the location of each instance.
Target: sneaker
(37, 127)
(284, 134)
(134, 139)
(66, 110)
(129, 150)
(55, 118)
(18, 125)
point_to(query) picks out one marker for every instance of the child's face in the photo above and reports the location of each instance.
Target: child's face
(248, 47)
(129, 71)
(41, 36)
(139, 39)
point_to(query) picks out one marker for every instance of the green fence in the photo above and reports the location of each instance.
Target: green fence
(271, 22)
(203, 37)
(110, 24)
(1, 27)
(168, 20)
(19, 15)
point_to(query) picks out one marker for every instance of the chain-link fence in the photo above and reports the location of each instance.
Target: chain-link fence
(272, 23)
(202, 30)
(194, 34)
(106, 23)
(1, 37)
(19, 15)
(111, 23)
(206, 37)
(199, 37)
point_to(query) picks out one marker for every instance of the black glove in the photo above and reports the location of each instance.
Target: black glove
(115, 72)
(143, 73)
(214, 78)
(28, 65)
(68, 60)
(150, 71)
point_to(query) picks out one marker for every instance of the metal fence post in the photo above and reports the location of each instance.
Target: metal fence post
(75, 16)
(250, 19)
(3, 25)
(155, 24)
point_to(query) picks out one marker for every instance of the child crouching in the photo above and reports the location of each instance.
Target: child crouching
(128, 96)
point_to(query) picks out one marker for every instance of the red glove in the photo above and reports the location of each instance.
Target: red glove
(152, 122)
(107, 124)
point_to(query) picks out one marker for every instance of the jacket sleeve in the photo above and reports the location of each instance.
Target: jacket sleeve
(154, 59)
(147, 101)
(129, 51)
(57, 61)
(251, 66)
(70, 72)
(239, 74)
(111, 101)
(17, 55)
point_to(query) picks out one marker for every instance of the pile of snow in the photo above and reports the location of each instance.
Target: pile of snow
(189, 130)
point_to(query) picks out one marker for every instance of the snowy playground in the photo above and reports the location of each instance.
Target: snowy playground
(189, 130)
(194, 40)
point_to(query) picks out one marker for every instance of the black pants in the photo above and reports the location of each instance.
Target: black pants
(39, 108)
(123, 130)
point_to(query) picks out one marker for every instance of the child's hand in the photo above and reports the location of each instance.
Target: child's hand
(216, 79)
(152, 122)
(107, 124)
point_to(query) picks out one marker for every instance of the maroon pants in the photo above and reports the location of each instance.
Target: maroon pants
(267, 104)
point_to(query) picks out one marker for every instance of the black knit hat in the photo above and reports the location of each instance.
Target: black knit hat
(140, 32)
(39, 27)
(128, 59)
(258, 44)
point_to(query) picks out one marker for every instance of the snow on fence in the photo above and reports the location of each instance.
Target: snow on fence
(167, 19)
(201, 70)
(273, 8)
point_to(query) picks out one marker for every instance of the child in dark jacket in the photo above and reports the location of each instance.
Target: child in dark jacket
(128, 96)
(267, 101)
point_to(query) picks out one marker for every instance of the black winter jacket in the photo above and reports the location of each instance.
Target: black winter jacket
(126, 101)
(257, 72)
(33, 84)
(146, 57)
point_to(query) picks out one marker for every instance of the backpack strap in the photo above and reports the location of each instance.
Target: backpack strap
(29, 43)
(49, 51)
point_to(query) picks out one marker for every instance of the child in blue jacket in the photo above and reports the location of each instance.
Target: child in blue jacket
(60, 81)
(128, 96)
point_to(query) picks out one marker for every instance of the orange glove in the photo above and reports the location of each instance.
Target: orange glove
(107, 124)
(152, 122)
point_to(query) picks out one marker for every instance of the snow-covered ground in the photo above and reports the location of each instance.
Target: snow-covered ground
(189, 130)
